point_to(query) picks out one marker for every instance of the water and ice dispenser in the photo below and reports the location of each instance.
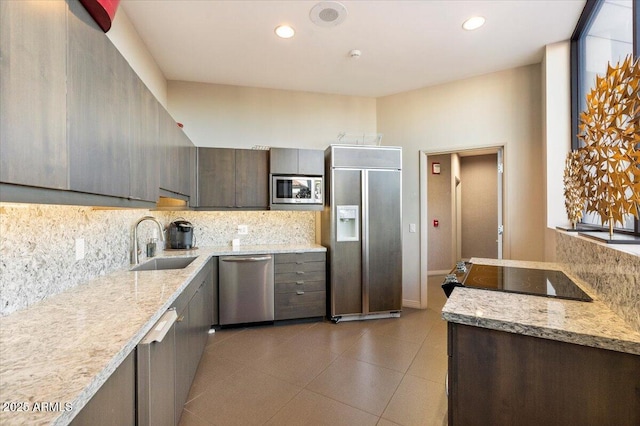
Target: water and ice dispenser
(348, 224)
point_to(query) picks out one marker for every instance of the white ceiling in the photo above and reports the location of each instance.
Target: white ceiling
(405, 45)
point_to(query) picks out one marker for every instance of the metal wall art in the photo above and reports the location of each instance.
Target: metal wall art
(610, 129)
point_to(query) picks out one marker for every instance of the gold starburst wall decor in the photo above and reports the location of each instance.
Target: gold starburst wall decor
(610, 129)
(573, 179)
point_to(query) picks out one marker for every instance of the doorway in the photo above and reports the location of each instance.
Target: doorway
(461, 204)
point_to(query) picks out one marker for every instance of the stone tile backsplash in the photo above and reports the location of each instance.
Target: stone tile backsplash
(38, 242)
(614, 274)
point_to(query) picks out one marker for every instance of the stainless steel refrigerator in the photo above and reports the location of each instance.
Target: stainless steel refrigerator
(362, 230)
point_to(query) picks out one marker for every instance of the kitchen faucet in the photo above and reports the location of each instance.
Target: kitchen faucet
(136, 251)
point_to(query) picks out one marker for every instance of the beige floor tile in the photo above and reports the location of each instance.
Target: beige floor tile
(326, 335)
(357, 383)
(245, 398)
(295, 362)
(430, 364)
(247, 346)
(413, 329)
(311, 409)
(418, 402)
(221, 335)
(189, 419)
(283, 331)
(384, 351)
(385, 422)
(211, 370)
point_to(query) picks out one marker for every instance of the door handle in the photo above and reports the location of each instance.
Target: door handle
(299, 293)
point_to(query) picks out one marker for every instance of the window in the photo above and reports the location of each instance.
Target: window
(606, 33)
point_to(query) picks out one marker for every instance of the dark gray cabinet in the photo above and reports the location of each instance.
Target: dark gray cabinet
(300, 285)
(291, 161)
(100, 86)
(194, 321)
(33, 130)
(502, 378)
(233, 178)
(115, 402)
(76, 117)
(144, 152)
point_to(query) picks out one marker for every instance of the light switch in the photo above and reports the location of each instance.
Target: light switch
(412, 227)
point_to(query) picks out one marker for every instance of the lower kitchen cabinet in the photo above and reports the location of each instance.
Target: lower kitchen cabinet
(194, 322)
(300, 285)
(115, 402)
(501, 378)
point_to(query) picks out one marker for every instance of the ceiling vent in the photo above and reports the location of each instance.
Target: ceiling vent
(328, 13)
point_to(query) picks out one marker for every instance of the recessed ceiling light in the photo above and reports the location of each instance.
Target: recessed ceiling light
(285, 31)
(473, 23)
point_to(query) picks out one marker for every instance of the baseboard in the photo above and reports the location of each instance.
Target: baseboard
(411, 304)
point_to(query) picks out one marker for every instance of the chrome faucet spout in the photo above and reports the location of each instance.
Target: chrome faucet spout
(136, 251)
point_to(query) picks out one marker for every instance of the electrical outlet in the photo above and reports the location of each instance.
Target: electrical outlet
(243, 229)
(79, 248)
(412, 227)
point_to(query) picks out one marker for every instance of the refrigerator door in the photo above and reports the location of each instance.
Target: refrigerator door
(346, 256)
(382, 241)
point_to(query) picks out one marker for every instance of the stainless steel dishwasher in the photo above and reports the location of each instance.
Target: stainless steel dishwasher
(245, 289)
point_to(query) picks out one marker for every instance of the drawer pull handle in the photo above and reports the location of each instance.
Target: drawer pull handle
(299, 282)
(299, 292)
(299, 263)
(299, 273)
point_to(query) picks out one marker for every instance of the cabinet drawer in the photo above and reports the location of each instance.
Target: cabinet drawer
(300, 285)
(299, 266)
(299, 276)
(305, 305)
(313, 256)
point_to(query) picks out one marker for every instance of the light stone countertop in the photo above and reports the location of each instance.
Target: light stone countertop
(64, 348)
(583, 323)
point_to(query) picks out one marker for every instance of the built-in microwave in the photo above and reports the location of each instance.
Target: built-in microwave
(297, 190)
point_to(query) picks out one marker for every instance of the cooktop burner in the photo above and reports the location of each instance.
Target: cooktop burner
(540, 282)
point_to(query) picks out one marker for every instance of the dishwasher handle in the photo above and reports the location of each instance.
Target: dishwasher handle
(245, 259)
(161, 328)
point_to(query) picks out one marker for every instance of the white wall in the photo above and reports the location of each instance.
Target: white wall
(126, 39)
(556, 96)
(232, 116)
(502, 108)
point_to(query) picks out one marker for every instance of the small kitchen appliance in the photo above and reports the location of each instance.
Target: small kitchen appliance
(297, 190)
(180, 235)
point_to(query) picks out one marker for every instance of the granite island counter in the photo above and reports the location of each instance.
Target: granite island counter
(544, 360)
(57, 353)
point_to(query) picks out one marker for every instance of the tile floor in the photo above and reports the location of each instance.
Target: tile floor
(378, 372)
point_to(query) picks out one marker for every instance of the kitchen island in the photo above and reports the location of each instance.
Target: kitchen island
(55, 355)
(522, 359)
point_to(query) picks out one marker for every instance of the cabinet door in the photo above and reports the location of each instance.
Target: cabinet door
(115, 402)
(183, 370)
(99, 87)
(216, 177)
(144, 151)
(252, 178)
(33, 139)
(283, 161)
(311, 162)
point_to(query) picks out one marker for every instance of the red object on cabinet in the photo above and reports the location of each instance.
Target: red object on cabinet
(436, 223)
(102, 11)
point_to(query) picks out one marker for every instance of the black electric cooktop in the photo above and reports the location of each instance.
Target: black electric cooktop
(537, 282)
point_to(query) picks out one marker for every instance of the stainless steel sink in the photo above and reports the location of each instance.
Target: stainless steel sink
(162, 263)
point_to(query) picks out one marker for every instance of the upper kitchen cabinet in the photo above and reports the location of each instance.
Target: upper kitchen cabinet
(144, 153)
(291, 161)
(233, 178)
(33, 131)
(175, 151)
(99, 89)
